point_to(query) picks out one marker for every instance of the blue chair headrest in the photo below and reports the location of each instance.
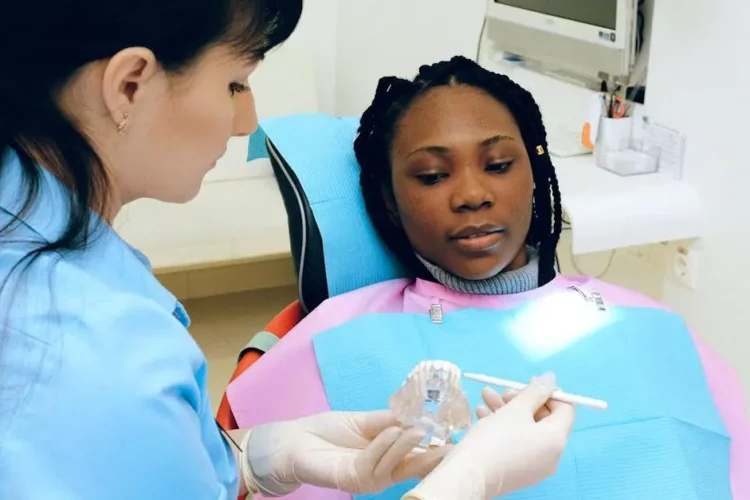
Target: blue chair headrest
(334, 244)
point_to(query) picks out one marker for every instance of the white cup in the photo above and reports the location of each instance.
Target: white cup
(614, 135)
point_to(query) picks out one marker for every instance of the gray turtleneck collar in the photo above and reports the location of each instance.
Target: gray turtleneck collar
(519, 280)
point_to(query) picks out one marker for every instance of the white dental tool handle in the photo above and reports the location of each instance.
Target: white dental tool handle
(558, 395)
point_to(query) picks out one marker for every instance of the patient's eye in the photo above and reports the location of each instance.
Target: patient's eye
(498, 167)
(431, 179)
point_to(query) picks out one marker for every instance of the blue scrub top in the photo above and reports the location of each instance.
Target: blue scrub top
(102, 389)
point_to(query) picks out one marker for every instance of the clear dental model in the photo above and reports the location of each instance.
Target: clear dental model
(432, 399)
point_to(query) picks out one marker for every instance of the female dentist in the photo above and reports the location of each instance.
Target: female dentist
(102, 390)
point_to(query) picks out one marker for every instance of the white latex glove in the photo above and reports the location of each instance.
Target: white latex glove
(514, 447)
(357, 452)
(494, 401)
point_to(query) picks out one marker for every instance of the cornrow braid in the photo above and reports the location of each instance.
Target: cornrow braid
(372, 148)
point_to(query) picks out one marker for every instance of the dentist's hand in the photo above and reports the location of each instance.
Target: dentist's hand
(514, 447)
(494, 401)
(357, 452)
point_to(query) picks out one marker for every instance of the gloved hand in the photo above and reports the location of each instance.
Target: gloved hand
(357, 452)
(514, 447)
(494, 401)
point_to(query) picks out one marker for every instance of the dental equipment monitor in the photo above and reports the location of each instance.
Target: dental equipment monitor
(588, 41)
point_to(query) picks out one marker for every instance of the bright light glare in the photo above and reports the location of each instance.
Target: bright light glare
(553, 323)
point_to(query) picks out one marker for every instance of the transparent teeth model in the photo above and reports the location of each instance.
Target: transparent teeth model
(432, 399)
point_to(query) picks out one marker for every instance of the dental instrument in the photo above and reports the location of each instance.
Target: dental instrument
(558, 395)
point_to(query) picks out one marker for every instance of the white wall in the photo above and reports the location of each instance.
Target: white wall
(317, 30)
(356, 42)
(700, 84)
(394, 37)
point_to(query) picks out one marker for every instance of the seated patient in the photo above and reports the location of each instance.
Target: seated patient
(460, 187)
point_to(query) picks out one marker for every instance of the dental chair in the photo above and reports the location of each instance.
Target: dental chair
(334, 246)
(330, 232)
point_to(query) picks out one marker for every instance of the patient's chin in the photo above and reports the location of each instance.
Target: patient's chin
(478, 272)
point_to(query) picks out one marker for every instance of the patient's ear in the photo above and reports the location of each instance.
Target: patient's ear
(390, 205)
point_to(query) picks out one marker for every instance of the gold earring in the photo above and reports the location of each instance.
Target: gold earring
(123, 124)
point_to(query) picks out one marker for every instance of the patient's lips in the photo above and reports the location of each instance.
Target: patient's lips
(478, 238)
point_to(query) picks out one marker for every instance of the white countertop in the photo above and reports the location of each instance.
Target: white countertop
(230, 222)
(609, 211)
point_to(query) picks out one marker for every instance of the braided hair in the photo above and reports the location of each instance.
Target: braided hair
(372, 148)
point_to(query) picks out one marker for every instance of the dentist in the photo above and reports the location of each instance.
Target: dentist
(102, 390)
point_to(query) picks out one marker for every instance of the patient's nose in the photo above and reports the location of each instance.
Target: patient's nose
(471, 192)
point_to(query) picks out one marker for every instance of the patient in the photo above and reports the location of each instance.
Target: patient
(459, 185)
(457, 179)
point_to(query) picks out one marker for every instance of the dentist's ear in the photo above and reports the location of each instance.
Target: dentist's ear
(124, 79)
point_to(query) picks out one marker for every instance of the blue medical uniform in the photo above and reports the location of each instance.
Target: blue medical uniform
(102, 389)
